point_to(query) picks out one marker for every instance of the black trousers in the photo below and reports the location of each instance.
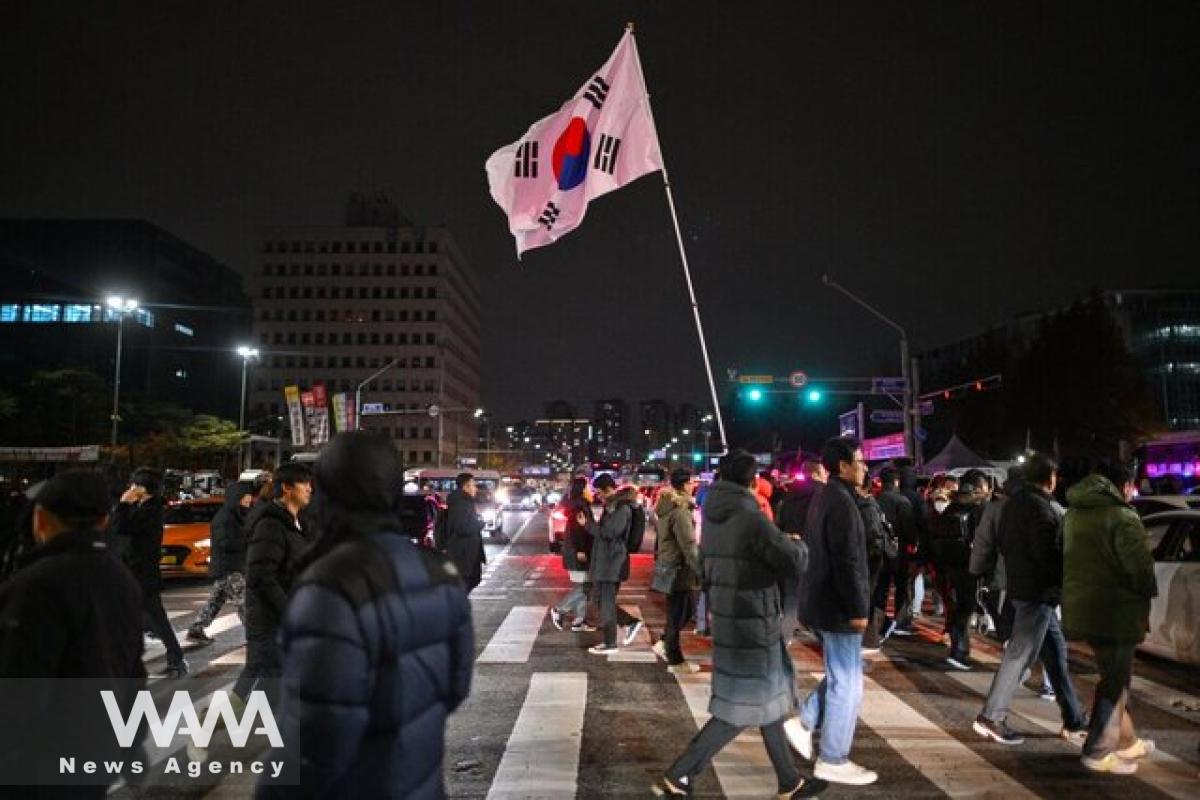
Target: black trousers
(679, 611)
(712, 739)
(611, 615)
(1111, 726)
(263, 667)
(962, 585)
(160, 624)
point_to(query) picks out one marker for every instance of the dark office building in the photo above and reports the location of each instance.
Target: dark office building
(1160, 327)
(179, 344)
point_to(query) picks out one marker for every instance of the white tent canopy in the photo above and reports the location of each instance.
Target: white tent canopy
(955, 455)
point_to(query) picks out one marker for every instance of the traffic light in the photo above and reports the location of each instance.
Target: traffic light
(754, 395)
(697, 457)
(813, 396)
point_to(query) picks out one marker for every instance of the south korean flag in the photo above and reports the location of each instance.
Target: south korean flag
(598, 141)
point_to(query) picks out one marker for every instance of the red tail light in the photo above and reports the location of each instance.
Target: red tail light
(558, 515)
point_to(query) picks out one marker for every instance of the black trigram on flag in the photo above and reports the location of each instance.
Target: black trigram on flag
(596, 92)
(549, 215)
(606, 154)
(527, 160)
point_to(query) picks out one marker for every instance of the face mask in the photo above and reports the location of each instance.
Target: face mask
(940, 505)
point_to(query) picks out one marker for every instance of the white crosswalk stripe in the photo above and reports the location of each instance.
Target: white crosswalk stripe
(226, 622)
(541, 759)
(513, 640)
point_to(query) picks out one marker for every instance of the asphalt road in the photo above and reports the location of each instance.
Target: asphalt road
(548, 720)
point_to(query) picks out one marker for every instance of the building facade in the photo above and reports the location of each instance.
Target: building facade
(337, 304)
(179, 346)
(1161, 328)
(612, 440)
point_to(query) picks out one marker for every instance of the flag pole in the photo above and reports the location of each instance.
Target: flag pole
(687, 273)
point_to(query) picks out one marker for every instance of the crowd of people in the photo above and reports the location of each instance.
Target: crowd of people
(315, 564)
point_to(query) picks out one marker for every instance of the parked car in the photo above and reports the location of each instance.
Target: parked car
(1175, 613)
(1158, 503)
(187, 532)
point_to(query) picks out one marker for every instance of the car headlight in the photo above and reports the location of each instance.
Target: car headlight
(203, 544)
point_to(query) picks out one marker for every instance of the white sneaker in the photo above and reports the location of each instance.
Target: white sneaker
(556, 617)
(684, 668)
(1110, 763)
(848, 773)
(660, 649)
(1075, 736)
(603, 650)
(799, 737)
(1139, 749)
(632, 631)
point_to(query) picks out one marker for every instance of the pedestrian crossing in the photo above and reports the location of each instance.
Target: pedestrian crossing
(548, 720)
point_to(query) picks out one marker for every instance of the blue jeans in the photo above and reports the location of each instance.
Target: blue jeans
(833, 705)
(1035, 630)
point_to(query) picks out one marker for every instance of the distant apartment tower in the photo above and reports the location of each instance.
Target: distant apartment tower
(612, 429)
(335, 304)
(656, 424)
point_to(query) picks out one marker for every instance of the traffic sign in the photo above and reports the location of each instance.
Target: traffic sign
(434, 410)
(888, 385)
(372, 408)
(887, 416)
(921, 433)
(798, 379)
(756, 379)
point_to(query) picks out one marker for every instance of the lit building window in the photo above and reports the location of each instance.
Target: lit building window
(144, 317)
(77, 312)
(40, 312)
(10, 312)
(184, 329)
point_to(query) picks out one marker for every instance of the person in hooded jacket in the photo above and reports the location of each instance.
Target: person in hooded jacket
(227, 562)
(576, 559)
(276, 544)
(898, 511)
(462, 532)
(70, 627)
(137, 531)
(610, 560)
(676, 537)
(744, 558)
(916, 553)
(394, 620)
(1108, 583)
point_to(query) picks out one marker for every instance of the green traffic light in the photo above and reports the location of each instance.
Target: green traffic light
(814, 395)
(754, 395)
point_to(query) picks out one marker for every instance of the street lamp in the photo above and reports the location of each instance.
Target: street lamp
(909, 443)
(122, 306)
(246, 353)
(358, 395)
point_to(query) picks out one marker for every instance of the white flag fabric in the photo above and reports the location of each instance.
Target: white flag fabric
(600, 140)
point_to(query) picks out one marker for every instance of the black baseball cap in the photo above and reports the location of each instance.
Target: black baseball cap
(75, 494)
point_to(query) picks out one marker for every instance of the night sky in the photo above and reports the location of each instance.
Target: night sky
(951, 162)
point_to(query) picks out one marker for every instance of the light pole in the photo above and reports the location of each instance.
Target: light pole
(246, 353)
(122, 306)
(358, 393)
(910, 443)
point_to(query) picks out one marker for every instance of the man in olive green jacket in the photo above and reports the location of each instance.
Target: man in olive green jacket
(1108, 581)
(676, 531)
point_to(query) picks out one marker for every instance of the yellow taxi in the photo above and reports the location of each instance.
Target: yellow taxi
(187, 537)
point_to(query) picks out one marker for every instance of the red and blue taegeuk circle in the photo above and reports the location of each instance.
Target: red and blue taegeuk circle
(570, 157)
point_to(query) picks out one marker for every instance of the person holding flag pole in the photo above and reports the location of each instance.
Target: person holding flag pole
(601, 139)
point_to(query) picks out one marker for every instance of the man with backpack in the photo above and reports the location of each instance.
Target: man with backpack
(951, 535)
(898, 511)
(618, 533)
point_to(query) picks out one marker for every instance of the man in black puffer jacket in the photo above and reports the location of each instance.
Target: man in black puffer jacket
(377, 642)
(276, 544)
(227, 562)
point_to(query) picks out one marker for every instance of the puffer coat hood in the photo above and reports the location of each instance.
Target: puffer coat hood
(727, 498)
(1094, 491)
